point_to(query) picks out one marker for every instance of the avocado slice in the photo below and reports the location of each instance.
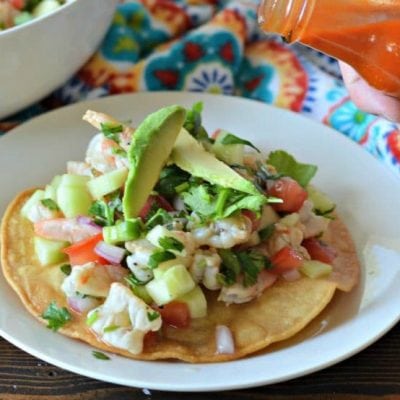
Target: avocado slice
(149, 151)
(189, 155)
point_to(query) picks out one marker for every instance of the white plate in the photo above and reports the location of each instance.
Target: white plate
(366, 193)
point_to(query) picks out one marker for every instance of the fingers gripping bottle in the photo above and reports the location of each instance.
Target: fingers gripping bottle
(362, 33)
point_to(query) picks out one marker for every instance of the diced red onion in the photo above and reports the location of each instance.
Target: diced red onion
(224, 340)
(84, 220)
(292, 275)
(82, 304)
(109, 252)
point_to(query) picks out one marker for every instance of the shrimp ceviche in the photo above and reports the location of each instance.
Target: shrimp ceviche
(166, 242)
(18, 12)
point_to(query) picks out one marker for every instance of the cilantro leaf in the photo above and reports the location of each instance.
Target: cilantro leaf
(159, 257)
(229, 138)
(267, 232)
(287, 165)
(170, 178)
(200, 200)
(247, 202)
(110, 328)
(160, 217)
(50, 204)
(104, 212)
(252, 263)
(170, 243)
(66, 269)
(56, 317)
(193, 122)
(99, 355)
(111, 130)
(153, 315)
(230, 266)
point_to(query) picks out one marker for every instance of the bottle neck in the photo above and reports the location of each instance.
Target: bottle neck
(288, 18)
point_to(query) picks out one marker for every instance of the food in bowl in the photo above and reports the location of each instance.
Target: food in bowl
(18, 12)
(165, 243)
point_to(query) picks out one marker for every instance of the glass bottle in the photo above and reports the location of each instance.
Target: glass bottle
(363, 33)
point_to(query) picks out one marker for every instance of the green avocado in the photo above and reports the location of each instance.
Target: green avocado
(189, 155)
(149, 151)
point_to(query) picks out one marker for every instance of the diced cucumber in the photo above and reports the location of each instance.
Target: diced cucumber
(228, 153)
(175, 282)
(323, 205)
(107, 183)
(315, 269)
(45, 7)
(162, 267)
(142, 293)
(72, 180)
(123, 232)
(196, 302)
(73, 200)
(26, 210)
(49, 252)
(55, 182)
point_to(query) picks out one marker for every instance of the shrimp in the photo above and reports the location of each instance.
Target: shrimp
(238, 293)
(96, 119)
(138, 261)
(223, 233)
(205, 268)
(104, 155)
(313, 224)
(124, 319)
(66, 229)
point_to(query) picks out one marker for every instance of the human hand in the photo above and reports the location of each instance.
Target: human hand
(367, 98)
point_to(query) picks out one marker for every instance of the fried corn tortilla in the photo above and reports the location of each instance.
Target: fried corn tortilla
(279, 313)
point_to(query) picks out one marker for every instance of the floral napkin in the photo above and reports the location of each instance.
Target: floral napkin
(216, 46)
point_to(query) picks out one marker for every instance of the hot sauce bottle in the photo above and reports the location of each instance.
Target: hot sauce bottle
(363, 33)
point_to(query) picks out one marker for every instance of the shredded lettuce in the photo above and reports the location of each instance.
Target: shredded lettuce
(287, 165)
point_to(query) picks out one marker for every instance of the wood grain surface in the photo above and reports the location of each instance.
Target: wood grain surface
(373, 373)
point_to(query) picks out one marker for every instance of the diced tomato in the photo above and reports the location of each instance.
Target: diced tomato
(155, 200)
(175, 314)
(252, 216)
(150, 339)
(83, 252)
(292, 194)
(285, 260)
(18, 4)
(319, 250)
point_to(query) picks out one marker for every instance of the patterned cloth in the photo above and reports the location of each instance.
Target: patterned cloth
(215, 46)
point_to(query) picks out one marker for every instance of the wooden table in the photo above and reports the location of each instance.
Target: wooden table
(373, 373)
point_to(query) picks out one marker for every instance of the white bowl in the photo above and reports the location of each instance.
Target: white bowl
(39, 56)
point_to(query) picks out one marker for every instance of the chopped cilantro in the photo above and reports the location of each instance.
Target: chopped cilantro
(287, 165)
(132, 281)
(171, 177)
(50, 204)
(230, 266)
(193, 122)
(110, 328)
(99, 355)
(66, 269)
(170, 243)
(92, 318)
(229, 138)
(252, 263)
(159, 257)
(119, 152)
(104, 212)
(160, 217)
(152, 315)
(267, 232)
(111, 130)
(56, 317)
